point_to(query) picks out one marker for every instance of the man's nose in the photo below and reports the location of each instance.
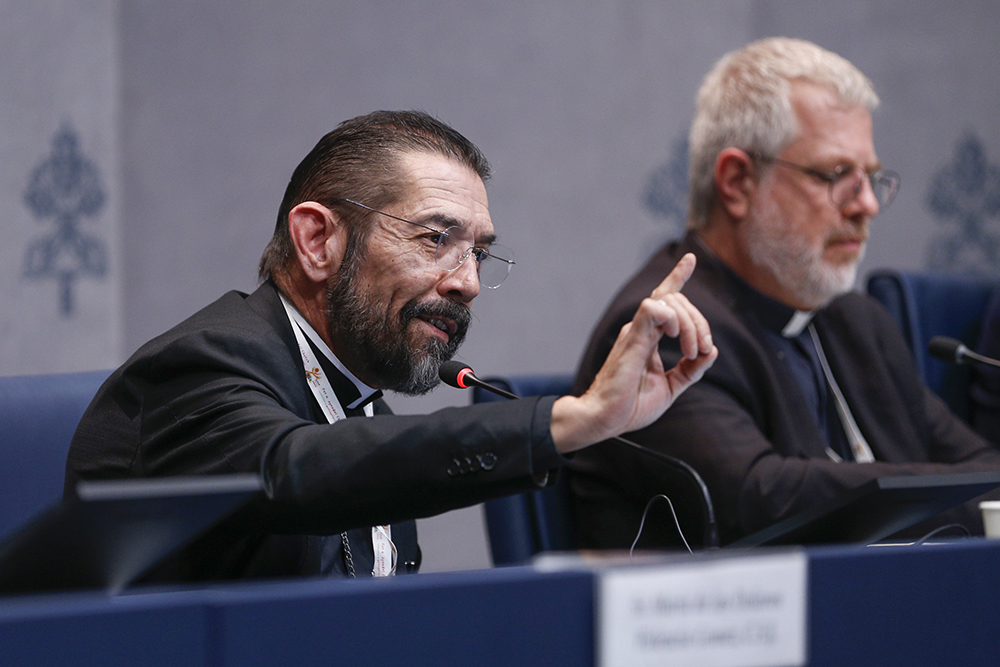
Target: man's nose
(866, 202)
(462, 282)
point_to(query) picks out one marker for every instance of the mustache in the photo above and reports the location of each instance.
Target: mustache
(444, 309)
(855, 233)
(837, 238)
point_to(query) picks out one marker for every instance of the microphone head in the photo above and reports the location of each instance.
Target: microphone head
(454, 373)
(947, 349)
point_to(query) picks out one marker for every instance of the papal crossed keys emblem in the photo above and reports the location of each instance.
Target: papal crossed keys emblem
(65, 188)
(964, 196)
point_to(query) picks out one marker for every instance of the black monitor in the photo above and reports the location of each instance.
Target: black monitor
(875, 510)
(115, 530)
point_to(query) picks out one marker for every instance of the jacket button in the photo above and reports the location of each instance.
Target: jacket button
(487, 461)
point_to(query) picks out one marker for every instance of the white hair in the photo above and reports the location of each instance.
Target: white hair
(744, 102)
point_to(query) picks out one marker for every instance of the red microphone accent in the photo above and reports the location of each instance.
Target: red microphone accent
(460, 379)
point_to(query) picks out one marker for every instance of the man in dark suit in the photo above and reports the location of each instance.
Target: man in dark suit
(815, 391)
(984, 392)
(382, 242)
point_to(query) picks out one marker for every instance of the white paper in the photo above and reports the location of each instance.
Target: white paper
(746, 611)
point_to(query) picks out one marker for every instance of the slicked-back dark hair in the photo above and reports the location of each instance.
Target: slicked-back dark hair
(359, 160)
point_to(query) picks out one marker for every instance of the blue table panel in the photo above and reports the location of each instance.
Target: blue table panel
(93, 629)
(877, 606)
(512, 616)
(929, 605)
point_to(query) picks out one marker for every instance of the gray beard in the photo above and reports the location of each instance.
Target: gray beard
(381, 343)
(794, 264)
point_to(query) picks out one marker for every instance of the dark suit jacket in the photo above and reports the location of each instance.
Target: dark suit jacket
(224, 392)
(746, 428)
(984, 393)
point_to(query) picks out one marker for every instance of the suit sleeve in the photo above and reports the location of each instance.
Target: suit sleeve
(389, 468)
(201, 407)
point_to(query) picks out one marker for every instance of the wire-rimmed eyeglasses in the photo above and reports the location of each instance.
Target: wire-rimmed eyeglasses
(455, 244)
(845, 182)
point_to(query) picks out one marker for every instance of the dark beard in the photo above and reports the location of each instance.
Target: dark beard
(381, 343)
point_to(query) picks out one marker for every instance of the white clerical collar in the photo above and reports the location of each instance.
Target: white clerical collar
(314, 338)
(799, 321)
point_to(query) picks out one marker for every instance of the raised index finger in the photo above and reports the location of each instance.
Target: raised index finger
(675, 279)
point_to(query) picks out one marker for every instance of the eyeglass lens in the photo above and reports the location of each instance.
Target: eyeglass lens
(846, 188)
(455, 246)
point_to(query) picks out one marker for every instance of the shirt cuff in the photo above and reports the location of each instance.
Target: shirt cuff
(545, 458)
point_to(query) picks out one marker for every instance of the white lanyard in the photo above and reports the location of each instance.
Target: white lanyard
(859, 446)
(384, 549)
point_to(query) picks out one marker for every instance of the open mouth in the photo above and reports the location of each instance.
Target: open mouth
(446, 326)
(444, 321)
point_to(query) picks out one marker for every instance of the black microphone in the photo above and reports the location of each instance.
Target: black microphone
(456, 374)
(459, 375)
(955, 352)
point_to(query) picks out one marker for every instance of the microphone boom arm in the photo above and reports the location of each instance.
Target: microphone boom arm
(955, 352)
(459, 375)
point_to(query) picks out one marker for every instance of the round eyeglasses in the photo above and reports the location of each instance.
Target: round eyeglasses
(455, 244)
(845, 182)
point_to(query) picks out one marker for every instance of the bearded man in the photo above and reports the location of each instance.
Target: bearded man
(383, 240)
(815, 391)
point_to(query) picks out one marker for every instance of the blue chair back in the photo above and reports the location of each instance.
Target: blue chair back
(927, 305)
(38, 415)
(525, 524)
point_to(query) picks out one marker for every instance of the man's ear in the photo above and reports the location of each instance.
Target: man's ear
(319, 238)
(734, 181)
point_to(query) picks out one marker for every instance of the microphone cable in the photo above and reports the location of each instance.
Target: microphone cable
(631, 551)
(460, 375)
(940, 529)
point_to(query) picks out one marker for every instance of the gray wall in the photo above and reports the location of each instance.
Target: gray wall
(577, 104)
(59, 77)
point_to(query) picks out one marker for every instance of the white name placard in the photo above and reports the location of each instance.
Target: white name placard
(746, 611)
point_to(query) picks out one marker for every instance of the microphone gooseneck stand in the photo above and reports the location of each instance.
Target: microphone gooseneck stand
(459, 375)
(955, 352)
